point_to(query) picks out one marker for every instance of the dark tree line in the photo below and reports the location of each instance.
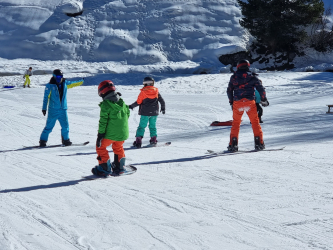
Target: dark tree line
(280, 25)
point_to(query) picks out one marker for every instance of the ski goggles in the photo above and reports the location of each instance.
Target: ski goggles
(149, 82)
(58, 77)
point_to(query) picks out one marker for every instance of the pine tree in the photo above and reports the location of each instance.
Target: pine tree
(279, 25)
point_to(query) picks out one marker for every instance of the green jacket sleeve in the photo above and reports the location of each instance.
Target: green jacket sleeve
(103, 119)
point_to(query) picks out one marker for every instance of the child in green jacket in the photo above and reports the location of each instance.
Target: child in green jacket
(113, 130)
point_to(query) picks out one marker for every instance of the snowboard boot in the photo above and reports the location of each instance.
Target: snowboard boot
(153, 140)
(257, 144)
(118, 167)
(102, 169)
(42, 143)
(66, 142)
(234, 145)
(23, 86)
(115, 166)
(28, 86)
(138, 142)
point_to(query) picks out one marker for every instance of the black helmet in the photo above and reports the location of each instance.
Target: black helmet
(148, 81)
(57, 72)
(243, 64)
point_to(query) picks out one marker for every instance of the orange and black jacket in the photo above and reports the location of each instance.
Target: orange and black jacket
(148, 100)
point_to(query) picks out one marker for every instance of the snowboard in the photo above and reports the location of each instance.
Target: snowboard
(57, 145)
(242, 151)
(129, 169)
(38, 147)
(217, 123)
(154, 145)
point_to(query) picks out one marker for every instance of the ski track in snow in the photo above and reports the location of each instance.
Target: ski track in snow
(179, 198)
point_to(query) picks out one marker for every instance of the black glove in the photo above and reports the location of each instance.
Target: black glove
(131, 107)
(44, 112)
(264, 103)
(163, 111)
(119, 93)
(99, 139)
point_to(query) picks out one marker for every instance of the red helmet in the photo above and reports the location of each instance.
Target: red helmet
(105, 88)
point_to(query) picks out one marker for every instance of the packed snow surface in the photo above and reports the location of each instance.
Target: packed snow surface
(180, 197)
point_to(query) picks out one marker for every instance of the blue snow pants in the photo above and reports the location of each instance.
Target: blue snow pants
(52, 117)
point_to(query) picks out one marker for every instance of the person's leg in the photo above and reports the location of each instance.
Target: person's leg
(142, 126)
(63, 120)
(52, 117)
(238, 110)
(119, 157)
(118, 149)
(26, 80)
(152, 126)
(102, 152)
(253, 116)
(104, 167)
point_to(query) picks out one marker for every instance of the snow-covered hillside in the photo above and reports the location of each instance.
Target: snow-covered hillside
(131, 31)
(180, 197)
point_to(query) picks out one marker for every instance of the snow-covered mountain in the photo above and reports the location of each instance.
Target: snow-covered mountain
(131, 31)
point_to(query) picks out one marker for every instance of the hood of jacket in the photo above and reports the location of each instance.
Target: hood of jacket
(112, 96)
(150, 91)
(53, 80)
(117, 106)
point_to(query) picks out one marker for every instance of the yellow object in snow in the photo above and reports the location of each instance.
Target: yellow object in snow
(27, 80)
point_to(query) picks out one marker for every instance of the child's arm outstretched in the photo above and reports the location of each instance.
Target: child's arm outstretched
(72, 84)
(137, 102)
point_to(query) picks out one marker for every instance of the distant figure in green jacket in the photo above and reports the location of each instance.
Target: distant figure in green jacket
(113, 130)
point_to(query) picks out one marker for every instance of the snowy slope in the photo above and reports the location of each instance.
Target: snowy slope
(128, 32)
(180, 197)
(131, 31)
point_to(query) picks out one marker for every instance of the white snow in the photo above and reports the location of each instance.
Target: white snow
(137, 32)
(180, 197)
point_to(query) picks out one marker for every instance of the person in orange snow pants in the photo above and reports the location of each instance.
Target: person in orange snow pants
(241, 94)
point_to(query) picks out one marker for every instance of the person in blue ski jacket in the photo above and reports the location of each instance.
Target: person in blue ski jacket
(55, 97)
(259, 108)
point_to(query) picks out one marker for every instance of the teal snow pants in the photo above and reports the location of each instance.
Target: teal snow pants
(143, 124)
